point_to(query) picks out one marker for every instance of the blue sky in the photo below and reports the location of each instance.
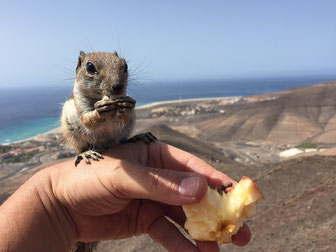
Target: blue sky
(168, 40)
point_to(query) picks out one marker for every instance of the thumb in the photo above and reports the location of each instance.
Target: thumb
(163, 185)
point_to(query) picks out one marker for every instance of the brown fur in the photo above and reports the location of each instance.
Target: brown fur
(82, 125)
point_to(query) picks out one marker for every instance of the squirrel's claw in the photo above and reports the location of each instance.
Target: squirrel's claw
(126, 102)
(87, 155)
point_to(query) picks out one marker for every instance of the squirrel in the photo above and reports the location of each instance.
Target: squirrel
(99, 114)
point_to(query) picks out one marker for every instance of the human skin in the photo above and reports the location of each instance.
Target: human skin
(128, 193)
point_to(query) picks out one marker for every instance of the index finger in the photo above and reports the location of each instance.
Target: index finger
(161, 155)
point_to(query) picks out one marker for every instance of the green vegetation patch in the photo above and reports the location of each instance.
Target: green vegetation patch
(21, 158)
(307, 145)
(5, 148)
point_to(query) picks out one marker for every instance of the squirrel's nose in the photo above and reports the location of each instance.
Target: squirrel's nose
(118, 87)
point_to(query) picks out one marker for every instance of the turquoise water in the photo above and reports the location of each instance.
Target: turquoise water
(28, 129)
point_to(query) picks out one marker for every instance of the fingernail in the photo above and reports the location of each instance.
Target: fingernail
(189, 186)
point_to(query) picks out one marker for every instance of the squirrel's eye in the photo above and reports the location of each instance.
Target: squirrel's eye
(91, 68)
(126, 68)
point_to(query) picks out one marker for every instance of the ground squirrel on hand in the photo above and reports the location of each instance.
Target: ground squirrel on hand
(99, 114)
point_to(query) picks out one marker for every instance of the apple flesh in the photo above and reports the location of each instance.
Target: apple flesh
(217, 217)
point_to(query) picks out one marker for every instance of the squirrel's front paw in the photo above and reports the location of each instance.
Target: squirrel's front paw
(126, 103)
(86, 155)
(103, 106)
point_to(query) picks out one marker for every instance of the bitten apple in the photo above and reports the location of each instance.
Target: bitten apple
(218, 216)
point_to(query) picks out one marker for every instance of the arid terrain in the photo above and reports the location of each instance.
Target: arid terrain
(284, 141)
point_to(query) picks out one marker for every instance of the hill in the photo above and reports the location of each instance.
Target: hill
(297, 115)
(203, 149)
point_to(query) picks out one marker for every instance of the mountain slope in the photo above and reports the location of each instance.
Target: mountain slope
(200, 148)
(305, 113)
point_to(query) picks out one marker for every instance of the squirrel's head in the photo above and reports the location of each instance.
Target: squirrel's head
(102, 73)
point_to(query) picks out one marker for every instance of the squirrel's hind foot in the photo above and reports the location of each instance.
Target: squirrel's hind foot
(147, 138)
(86, 155)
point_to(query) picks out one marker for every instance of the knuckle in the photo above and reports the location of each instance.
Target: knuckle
(155, 180)
(161, 182)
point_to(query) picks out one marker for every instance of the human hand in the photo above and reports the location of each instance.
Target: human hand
(132, 190)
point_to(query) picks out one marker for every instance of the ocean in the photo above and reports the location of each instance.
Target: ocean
(28, 111)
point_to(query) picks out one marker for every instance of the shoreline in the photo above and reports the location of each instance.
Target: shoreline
(31, 137)
(146, 106)
(159, 103)
(45, 133)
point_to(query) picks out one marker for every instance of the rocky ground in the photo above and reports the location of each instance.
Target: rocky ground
(241, 137)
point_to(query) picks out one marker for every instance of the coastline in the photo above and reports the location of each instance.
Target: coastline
(147, 106)
(18, 130)
(30, 136)
(180, 101)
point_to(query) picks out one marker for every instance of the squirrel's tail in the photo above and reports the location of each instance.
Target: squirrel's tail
(84, 247)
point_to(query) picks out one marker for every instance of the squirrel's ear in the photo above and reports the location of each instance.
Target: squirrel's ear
(115, 53)
(80, 59)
